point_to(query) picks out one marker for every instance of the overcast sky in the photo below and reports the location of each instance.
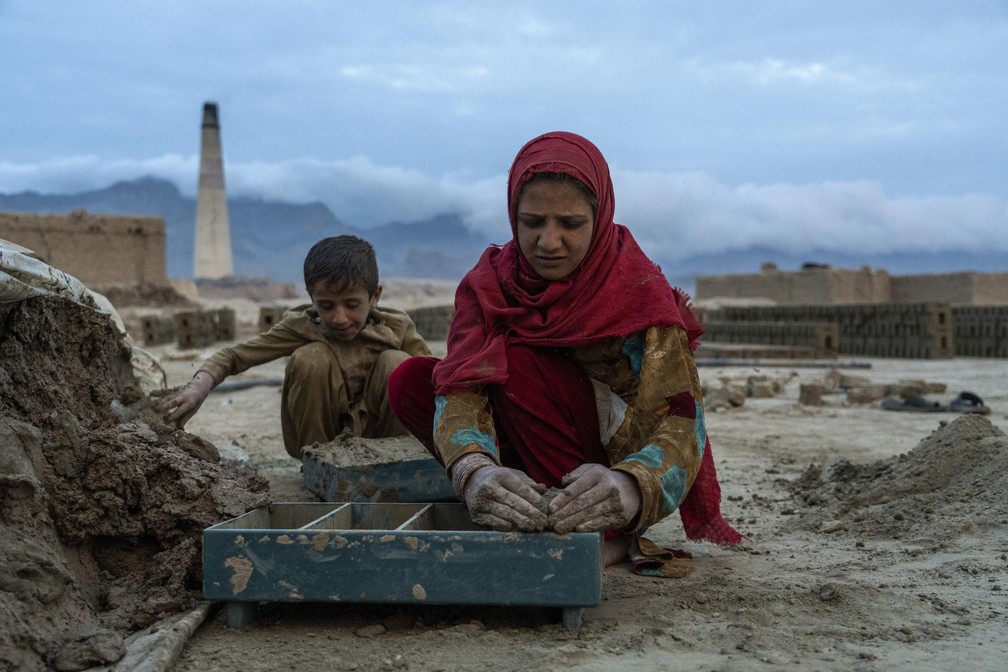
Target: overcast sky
(847, 126)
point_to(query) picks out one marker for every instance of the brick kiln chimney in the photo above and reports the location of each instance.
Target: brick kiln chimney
(212, 254)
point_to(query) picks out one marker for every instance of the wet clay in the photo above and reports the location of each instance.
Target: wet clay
(102, 505)
(347, 450)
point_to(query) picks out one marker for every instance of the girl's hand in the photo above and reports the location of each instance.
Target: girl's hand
(505, 499)
(595, 498)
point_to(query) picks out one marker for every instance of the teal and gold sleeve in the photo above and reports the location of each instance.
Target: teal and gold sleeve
(463, 424)
(667, 428)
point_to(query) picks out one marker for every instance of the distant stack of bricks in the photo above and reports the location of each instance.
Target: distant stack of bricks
(269, 316)
(158, 329)
(432, 321)
(191, 329)
(194, 329)
(915, 330)
(225, 324)
(981, 331)
(920, 330)
(796, 340)
(200, 328)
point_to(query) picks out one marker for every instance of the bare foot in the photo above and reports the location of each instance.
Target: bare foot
(616, 550)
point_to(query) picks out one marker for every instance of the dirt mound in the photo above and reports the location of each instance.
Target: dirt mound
(249, 287)
(101, 504)
(146, 295)
(954, 482)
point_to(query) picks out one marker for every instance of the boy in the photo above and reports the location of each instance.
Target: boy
(342, 348)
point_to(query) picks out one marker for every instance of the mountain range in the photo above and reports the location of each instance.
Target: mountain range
(268, 237)
(271, 237)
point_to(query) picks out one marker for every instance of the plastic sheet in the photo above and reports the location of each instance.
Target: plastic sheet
(24, 276)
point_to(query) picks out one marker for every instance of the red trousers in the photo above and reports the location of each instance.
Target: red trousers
(545, 415)
(547, 425)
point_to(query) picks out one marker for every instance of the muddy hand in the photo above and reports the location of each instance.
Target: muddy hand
(505, 499)
(181, 405)
(595, 498)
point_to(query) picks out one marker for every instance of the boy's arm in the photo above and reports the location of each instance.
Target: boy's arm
(280, 341)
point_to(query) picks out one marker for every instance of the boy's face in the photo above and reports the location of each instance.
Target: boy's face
(343, 313)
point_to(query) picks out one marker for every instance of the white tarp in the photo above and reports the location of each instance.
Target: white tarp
(23, 276)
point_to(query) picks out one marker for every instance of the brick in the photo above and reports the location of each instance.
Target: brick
(269, 316)
(810, 394)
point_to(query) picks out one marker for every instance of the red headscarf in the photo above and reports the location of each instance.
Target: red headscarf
(616, 291)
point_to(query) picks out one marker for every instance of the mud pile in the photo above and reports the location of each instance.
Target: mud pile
(954, 482)
(102, 505)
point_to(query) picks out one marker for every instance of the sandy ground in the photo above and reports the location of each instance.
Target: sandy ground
(900, 578)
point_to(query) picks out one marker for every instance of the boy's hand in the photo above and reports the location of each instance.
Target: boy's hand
(505, 499)
(182, 404)
(595, 498)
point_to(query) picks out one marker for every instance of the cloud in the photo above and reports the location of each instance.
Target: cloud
(678, 215)
(772, 70)
(838, 72)
(360, 192)
(417, 78)
(673, 215)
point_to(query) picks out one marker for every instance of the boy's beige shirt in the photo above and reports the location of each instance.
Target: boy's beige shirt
(386, 329)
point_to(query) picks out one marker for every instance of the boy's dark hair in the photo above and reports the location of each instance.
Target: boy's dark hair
(342, 262)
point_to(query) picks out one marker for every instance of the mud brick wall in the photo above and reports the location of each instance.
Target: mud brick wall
(830, 286)
(95, 249)
(922, 330)
(958, 289)
(981, 331)
(821, 338)
(806, 287)
(990, 289)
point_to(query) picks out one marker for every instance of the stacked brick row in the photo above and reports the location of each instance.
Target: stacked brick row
(200, 328)
(270, 315)
(225, 324)
(158, 329)
(795, 339)
(432, 321)
(191, 329)
(981, 331)
(909, 330)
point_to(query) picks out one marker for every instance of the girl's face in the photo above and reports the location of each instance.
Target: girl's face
(553, 226)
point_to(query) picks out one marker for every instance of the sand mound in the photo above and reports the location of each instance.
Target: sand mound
(148, 294)
(101, 504)
(954, 482)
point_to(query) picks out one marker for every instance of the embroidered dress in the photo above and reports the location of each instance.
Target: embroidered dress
(523, 352)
